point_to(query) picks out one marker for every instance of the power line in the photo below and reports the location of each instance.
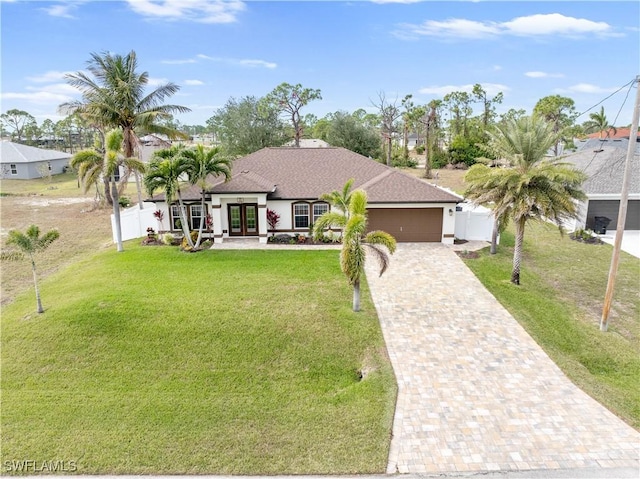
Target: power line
(605, 99)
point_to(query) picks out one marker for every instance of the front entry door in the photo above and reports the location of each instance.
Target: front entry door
(243, 220)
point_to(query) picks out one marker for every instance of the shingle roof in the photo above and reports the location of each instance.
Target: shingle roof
(17, 153)
(619, 133)
(307, 173)
(604, 166)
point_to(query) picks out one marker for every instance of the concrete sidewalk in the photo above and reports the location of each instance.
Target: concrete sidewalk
(476, 393)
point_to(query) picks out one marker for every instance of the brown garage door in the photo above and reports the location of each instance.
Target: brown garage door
(408, 224)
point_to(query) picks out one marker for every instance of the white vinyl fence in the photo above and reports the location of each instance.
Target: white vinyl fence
(135, 221)
(473, 223)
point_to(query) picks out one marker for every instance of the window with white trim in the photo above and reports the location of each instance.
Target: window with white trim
(14, 169)
(318, 210)
(197, 216)
(301, 215)
(175, 218)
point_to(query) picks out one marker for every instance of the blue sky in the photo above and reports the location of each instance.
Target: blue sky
(351, 51)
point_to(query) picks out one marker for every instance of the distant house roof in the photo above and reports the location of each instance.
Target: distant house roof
(604, 163)
(620, 133)
(13, 153)
(310, 143)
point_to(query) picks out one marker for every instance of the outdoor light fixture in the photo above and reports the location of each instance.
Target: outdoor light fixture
(240, 200)
(450, 212)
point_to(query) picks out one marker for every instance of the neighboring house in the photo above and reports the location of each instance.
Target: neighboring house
(604, 161)
(22, 162)
(150, 144)
(290, 181)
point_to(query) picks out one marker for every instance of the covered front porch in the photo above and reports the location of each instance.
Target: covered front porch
(237, 216)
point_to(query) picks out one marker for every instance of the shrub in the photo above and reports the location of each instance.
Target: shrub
(419, 149)
(439, 159)
(168, 238)
(185, 244)
(124, 201)
(273, 219)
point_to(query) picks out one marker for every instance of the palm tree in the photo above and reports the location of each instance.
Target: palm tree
(113, 96)
(200, 162)
(29, 244)
(91, 165)
(534, 187)
(598, 123)
(340, 199)
(356, 241)
(164, 172)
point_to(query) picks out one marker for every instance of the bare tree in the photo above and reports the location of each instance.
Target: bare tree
(389, 114)
(289, 99)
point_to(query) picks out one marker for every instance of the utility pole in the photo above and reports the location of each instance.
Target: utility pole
(622, 212)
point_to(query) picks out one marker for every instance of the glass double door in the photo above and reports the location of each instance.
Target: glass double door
(243, 220)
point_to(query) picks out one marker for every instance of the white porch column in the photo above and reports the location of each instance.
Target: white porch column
(262, 218)
(216, 214)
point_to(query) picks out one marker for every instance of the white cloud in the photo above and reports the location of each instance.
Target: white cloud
(157, 81)
(539, 25)
(490, 88)
(200, 11)
(178, 62)
(193, 82)
(56, 89)
(63, 9)
(589, 88)
(554, 24)
(544, 75)
(37, 97)
(257, 63)
(51, 75)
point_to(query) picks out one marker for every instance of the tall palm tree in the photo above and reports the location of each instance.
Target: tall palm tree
(166, 170)
(356, 241)
(200, 163)
(113, 96)
(29, 243)
(340, 199)
(534, 187)
(598, 122)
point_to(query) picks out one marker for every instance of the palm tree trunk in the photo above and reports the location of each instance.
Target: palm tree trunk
(116, 213)
(183, 220)
(107, 190)
(494, 236)
(427, 156)
(517, 251)
(356, 296)
(139, 189)
(202, 222)
(35, 283)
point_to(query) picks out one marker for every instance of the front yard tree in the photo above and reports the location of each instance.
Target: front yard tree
(598, 123)
(200, 163)
(114, 96)
(163, 173)
(289, 99)
(534, 187)
(356, 241)
(28, 244)
(348, 132)
(92, 166)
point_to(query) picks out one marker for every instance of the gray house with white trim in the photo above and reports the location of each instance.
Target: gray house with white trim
(22, 162)
(604, 161)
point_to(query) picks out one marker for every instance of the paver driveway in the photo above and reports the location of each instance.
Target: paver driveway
(476, 393)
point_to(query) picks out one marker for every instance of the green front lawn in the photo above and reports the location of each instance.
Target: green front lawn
(154, 361)
(560, 304)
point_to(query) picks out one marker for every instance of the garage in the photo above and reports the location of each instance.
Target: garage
(609, 209)
(408, 225)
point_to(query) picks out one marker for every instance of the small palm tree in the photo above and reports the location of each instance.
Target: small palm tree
(91, 165)
(534, 187)
(29, 244)
(164, 172)
(598, 122)
(356, 241)
(200, 163)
